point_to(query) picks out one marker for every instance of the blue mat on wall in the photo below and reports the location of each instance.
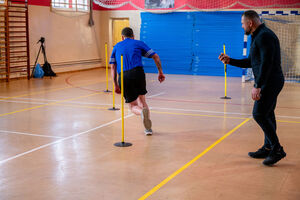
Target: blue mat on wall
(190, 42)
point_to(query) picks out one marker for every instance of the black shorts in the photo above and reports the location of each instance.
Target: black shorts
(134, 84)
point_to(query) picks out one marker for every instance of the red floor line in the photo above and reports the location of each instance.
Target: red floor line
(67, 80)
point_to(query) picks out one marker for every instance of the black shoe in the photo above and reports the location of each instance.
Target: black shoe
(260, 153)
(275, 155)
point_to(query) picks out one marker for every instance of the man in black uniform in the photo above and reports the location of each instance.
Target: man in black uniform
(264, 59)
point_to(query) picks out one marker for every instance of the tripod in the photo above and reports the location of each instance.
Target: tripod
(42, 47)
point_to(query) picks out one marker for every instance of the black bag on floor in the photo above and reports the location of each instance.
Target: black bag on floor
(48, 70)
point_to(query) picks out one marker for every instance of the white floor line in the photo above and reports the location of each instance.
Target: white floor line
(28, 102)
(155, 95)
(72, 102)
(61, 140)
(292, 117)
(157, 108)
(53, 100)
(87, 103)
(29, 134)
(216, 112)
(35, 99)
(66, 138)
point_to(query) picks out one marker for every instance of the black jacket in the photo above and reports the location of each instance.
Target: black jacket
(264, 57)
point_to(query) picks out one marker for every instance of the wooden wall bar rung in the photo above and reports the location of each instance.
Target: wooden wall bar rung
(16, 41)
(17, 46)
(18, 52)
(17, 11)
(20, 66)
(19, 61)
(18, 57)
(12, 16)
(17, 26)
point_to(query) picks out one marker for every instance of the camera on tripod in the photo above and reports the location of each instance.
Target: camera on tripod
(46, 67)
(42, 40)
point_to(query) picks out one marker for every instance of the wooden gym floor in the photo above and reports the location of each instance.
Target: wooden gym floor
(57, 141)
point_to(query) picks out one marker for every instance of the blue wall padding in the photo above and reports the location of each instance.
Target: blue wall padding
(170, 35)
(190, 42)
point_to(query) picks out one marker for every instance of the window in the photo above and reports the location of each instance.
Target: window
(70, 5)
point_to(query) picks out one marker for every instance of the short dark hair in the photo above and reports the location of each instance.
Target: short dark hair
(127, 32)
(251, 14)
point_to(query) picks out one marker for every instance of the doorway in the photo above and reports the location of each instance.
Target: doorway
(117, 27)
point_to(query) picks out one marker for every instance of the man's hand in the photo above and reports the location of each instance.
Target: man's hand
(256, 94)
(224, 58)
(161, 77)
(117, 89)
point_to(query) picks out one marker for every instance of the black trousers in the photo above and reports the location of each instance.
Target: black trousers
(263, 112)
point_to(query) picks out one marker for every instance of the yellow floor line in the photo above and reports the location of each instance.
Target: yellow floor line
(80, 106)
(51, 90)
(295, 122)
(157, 187)
(189, 114)
(53, 103)
(33, 93)
(169, 113)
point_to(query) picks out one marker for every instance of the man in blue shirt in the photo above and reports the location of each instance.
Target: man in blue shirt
(134, 76)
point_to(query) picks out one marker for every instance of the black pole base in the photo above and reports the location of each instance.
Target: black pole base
(113, 108)
(225, 97)
(106, 91)
(122, 144)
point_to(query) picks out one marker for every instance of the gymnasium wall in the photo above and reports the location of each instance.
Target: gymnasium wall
(71, 44)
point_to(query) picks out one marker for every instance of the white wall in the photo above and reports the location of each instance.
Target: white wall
(106, 25)
(71, 44)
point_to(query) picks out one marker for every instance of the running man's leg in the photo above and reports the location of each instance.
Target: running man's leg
(142, 101)
(140, 107)
(135, 107)
(145, 112)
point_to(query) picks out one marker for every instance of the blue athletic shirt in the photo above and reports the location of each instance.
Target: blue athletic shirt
(132, 51)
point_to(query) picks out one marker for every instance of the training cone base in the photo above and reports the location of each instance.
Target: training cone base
(122, 144)
(106, 91)
(113, 108)
(225, 97)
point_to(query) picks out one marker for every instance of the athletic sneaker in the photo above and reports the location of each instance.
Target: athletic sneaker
(263, 152)
(275, 155)
(148, 132)
(145, 117)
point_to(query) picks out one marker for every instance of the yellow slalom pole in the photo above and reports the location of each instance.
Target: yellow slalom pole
(114, 98)
(123, 143)
(113, 91)
(122, 99)
(225, 69)
(106, 68)
(113, 84)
